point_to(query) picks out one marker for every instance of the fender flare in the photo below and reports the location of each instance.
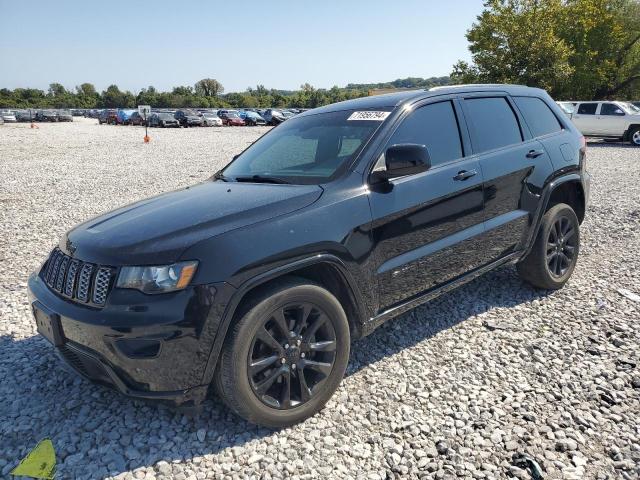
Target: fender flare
(542, 205)
(241, 292)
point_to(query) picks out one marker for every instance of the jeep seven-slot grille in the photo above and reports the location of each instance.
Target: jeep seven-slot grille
(78, 281)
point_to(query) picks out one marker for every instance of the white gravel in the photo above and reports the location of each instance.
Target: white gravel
(457, 388)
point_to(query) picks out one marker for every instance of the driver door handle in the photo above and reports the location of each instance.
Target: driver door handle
(464, 174)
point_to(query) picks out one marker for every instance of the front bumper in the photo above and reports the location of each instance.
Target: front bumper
(153, 347)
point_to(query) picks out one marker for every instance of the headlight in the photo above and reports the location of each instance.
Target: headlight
(159, 279)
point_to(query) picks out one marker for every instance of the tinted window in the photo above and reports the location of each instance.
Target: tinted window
(306, 149)
(494, 123)
(538, 115)
(587, 108)
(610, 109)
(435, 126)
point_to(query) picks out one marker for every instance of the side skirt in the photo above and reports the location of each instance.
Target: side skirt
(374, 322)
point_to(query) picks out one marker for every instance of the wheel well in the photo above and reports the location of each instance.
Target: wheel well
(631, 128)
(570, 193)
(327, 276)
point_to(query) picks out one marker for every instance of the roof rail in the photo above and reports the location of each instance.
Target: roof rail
(467, 85)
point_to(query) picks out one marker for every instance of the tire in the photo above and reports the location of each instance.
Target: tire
(634, 136)
(553, 257)
(260, 396)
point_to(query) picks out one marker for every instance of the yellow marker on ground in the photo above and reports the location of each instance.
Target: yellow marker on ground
(40, 463)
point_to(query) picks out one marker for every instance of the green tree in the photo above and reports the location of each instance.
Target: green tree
(577, 49)
(208, 87)
(56, 90)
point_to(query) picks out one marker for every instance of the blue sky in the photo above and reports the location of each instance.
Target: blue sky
(280, 44)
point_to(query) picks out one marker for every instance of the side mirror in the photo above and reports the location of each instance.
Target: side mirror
(401, 160)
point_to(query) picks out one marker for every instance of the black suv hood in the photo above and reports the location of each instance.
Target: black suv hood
(157, 230)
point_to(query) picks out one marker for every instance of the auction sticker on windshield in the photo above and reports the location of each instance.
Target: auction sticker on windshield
(369, 115)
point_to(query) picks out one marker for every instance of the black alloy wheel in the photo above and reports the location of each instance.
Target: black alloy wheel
(554, 253)
(291, 355)
(561, 246)
(285, 354)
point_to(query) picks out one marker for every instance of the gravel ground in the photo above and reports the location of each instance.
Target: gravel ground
(466, 386)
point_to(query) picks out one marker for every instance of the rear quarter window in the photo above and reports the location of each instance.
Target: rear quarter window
(493, 122)
(538, 115)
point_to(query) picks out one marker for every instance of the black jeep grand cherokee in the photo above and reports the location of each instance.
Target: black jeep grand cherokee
(253, 283)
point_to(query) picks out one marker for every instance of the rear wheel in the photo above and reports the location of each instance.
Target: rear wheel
(554, 254)
(285, 356)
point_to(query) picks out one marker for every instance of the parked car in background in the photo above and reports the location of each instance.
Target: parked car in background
(231, 118)
(47, 116)
(253, 119)
(123, 116)
(163, 120)
(8, 116)
(567, 108)
(65, 116)
(77, 112)
(608, 120)
(273, 117)
(25, 116)
(136, 119)
(188, 118)
(210, 119)
(108, 116)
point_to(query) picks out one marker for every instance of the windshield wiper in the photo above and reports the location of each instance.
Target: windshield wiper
(221, 176)
(261, 179)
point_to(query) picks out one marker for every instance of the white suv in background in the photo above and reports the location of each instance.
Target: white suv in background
(611, 120)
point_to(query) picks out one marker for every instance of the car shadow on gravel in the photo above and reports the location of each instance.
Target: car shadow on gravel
(501, 288)
(609, 144)
(97, 432)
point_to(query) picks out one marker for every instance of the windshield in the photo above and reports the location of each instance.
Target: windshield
(630, 108)
(306, 150)
(165, 116)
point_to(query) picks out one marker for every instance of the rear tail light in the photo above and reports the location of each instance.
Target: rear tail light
(583, 153)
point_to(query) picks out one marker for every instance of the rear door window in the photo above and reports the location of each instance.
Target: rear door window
(538, 115)
(587, 108)
(494, 123)
(434, 125)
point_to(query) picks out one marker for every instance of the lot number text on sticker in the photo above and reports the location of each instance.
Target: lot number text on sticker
(368, 115)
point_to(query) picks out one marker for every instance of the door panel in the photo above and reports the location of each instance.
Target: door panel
(585, 118)
(511, 175)
(426, 230)
(610, 123)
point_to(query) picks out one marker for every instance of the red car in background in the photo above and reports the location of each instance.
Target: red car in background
(231, 118)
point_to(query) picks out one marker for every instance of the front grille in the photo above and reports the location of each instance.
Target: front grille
(76, 280)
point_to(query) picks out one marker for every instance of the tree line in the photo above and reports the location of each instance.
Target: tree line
(205, 93)
(575, 49)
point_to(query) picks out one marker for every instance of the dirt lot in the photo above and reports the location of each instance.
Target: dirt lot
(455, 388)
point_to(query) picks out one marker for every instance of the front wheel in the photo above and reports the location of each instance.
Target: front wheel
(634, 137)
(286, 354)
(554, 254)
